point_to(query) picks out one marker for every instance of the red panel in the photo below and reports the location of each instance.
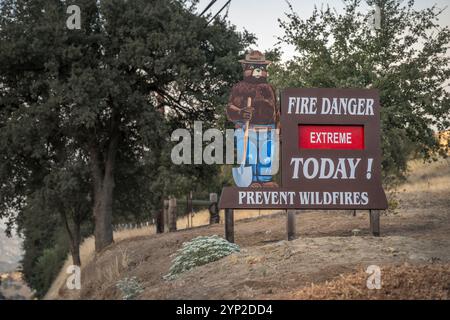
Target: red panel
(331, 137)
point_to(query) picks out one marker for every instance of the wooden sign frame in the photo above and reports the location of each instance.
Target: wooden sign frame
(356, 184)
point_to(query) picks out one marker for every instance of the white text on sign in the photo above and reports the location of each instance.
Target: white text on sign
(331, 106)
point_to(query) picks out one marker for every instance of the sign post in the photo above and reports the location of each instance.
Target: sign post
(375, 222)
(229, 225)
(290, 224)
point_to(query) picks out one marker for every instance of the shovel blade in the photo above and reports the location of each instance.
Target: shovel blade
(242, 176)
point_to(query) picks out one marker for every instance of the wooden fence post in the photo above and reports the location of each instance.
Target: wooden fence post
(172, 214)
(375, 222)
(229, 225)
(214, 216)
(189, 210)
(166, 216)
(290, 225)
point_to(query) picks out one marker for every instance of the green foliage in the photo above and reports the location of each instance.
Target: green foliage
(407, 60)
(72, 89)
(46, 248)
(104, 97)
(40, 230)
(130, 288)
(47, 267)
(200, 251)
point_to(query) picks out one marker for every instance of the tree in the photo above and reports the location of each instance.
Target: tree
(45, 243)
(98, 92)
(66, 192)
(406, 59)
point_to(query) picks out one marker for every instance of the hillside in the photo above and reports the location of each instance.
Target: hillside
(327, 260)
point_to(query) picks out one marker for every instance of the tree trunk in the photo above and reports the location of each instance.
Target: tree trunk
(103, 199)
(76, 260)
(102, 169)
(75, 246)
(74, 239)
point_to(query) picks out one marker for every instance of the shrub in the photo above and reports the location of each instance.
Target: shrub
(200, 251)
(130, 288)
(47, 268)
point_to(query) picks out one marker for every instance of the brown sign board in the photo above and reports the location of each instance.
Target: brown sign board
(330, 154)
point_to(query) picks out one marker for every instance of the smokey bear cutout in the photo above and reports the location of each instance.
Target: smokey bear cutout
(253, 106)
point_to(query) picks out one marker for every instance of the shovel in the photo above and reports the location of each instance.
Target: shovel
(243, 175)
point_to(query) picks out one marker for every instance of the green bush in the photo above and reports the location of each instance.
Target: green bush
(200, 251)
(47, 268)
(130, 288)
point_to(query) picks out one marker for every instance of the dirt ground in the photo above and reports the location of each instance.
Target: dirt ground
(332, 251)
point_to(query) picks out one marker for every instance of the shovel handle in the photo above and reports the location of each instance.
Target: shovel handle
(247, 123)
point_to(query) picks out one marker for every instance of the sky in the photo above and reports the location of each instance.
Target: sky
(260, 17)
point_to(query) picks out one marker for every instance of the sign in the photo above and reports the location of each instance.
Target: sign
(330, 137)
(330, 154)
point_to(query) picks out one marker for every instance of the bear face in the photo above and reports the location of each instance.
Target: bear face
(255, 72)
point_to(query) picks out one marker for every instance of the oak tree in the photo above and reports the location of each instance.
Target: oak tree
(407, 59)
(96, 95)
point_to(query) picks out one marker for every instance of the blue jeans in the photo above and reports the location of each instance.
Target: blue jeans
(260, 151)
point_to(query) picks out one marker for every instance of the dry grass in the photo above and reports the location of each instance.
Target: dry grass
(433, 176)
(397, 282)
(112, 272)
(87, 248)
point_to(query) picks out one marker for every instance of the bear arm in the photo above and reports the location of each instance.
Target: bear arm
(233, 108)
